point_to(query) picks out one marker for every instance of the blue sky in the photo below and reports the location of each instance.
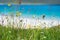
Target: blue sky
(29, 10)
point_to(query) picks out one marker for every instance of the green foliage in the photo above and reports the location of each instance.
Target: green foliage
(7, 33)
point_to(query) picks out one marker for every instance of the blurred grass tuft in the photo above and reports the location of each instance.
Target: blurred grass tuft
(52, 33)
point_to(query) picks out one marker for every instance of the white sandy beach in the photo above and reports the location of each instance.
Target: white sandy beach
(25, 22)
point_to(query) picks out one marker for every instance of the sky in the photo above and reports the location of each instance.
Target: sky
(30, 10)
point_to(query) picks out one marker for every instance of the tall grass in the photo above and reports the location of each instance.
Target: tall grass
(7, 33)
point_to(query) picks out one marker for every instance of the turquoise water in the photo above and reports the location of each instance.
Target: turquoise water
(30, 10)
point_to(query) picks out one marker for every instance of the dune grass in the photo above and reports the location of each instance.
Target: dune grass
(7, 33)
